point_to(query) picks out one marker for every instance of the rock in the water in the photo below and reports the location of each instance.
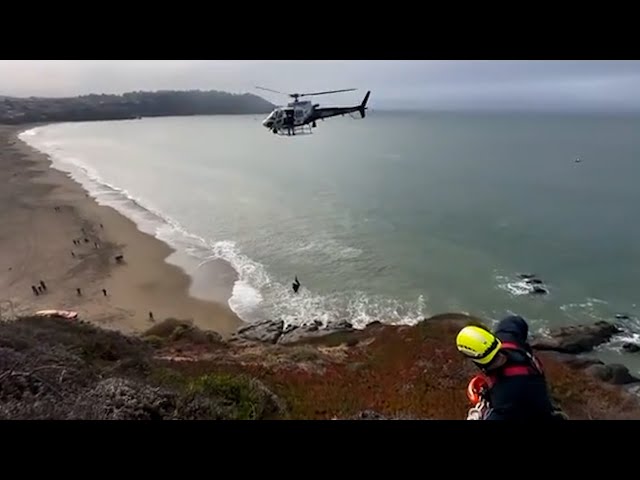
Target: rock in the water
(631, 347)
(578, 338)
(615, 374)
(526, 276)
(539, 291)
(267, 331)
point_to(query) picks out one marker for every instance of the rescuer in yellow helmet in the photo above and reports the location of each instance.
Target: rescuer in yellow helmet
(516, 387)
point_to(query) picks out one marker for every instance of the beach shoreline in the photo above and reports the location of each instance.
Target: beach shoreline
(56, 232)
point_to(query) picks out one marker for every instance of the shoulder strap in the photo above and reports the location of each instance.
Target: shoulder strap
(533, 361)
(533, 366)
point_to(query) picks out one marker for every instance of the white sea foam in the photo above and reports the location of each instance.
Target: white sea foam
(590, 308)
(327, 249)
(517, 286)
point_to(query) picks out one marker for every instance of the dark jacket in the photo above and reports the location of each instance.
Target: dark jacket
(519, 396)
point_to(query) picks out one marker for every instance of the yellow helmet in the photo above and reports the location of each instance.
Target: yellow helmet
(478, 343)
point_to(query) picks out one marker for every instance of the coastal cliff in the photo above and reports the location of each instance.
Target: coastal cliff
(61, 369)
(16, 111)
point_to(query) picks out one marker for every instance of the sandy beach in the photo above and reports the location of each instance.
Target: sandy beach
(52, 231)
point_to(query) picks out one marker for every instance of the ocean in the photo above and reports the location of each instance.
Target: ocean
(394, 217)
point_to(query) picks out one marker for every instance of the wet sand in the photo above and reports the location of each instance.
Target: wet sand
(42, 211)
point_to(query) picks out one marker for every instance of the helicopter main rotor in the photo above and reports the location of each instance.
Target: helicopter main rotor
(295, 96)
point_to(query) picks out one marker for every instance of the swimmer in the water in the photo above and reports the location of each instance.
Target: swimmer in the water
(296, 285)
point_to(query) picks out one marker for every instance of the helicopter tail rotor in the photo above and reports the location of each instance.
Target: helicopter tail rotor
(363, 106)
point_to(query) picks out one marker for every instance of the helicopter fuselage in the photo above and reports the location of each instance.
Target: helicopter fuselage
(295, 114)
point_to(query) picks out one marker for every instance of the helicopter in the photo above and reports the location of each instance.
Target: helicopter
(299, 117)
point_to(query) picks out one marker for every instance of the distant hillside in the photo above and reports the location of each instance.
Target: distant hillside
(129, 105)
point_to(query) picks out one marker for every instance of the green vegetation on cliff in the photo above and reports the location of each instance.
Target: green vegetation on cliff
(128, 106)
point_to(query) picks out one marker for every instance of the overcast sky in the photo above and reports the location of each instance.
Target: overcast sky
(433, 84)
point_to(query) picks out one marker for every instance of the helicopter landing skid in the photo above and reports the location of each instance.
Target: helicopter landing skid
(294, 131)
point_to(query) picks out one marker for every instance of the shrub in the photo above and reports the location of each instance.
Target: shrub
(242, 398)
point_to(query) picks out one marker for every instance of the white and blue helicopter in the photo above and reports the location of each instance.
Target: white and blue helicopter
(299, 117)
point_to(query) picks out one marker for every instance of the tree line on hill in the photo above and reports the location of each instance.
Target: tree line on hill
(130, 105)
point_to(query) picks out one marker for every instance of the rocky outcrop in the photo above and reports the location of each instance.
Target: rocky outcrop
(266, 331)
(269, 331)
(173, 329)
(569, 343)
(578, 338)
(577, 362)
(297, 334)
(615, 374)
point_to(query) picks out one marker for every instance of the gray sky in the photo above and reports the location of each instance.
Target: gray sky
(434, 84)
